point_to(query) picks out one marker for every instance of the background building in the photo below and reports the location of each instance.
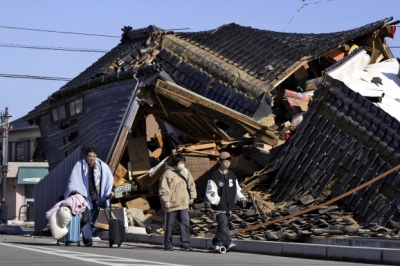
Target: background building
(27, 164)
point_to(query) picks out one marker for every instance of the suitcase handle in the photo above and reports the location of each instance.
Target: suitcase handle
(108, 211)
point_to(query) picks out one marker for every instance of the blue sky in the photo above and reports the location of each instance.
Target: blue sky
(108, 17)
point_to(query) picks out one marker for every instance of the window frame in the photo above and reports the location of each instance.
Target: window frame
(74, 102)
(19, 152)
(65, 109)
(57, 108)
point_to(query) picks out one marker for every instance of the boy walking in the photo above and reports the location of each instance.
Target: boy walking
(222, 192)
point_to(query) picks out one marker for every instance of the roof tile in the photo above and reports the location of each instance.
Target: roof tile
(269, 47)
(354, 151)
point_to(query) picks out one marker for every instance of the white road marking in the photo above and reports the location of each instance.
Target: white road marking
(93, 258)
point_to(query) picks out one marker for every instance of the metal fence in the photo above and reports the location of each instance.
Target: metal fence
(51, 187)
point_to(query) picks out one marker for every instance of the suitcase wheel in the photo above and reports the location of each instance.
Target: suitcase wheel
(58, 243)
(67, 244)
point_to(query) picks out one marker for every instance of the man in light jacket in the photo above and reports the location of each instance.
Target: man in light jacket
(222, 192)
(92, 178)
(177, 190)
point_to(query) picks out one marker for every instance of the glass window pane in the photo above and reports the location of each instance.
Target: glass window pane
(72, 108)
(54, 113)
(61, 112)
(19, 152)
(78, 106)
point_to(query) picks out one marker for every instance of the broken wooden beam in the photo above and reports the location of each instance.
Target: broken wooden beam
(249, 183)
(180, 94)
(322, 204)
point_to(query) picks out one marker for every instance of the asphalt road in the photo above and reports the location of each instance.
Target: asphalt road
(20, 250)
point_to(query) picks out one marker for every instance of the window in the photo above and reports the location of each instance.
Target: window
(75, 107)
(19, 152)
(70, 137)
(71, 109)
(58, 113)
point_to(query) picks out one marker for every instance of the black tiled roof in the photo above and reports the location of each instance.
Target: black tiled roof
(20, 124)
(131, 43)
(130, 49)
(202, 83)
(130, 46)
(339, 146)
(254, 49)
(262, 54)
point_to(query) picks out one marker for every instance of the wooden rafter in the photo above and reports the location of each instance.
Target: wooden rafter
(174, 92)
(214, 127)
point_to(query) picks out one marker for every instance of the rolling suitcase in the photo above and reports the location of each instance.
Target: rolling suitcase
(116, 229)
(74, 232)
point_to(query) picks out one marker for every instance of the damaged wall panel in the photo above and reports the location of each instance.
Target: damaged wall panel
(97, 125)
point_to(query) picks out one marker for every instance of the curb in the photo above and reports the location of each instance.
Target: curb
(12, 230)
(388, 256)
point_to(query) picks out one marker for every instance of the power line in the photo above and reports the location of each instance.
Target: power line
(53, 48)
(302, 6)
(33, 77)
(64, 32)
(75, 33)
(306, 4)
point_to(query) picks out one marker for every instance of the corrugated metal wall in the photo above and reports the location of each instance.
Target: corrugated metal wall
(50, 188)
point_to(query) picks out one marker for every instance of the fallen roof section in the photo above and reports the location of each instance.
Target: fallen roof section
(343, 141)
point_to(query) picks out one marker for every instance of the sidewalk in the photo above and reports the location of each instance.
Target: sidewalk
(389, 255)
(359, 250)
(16, 229)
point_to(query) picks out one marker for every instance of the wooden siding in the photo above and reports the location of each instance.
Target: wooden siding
(103, 111)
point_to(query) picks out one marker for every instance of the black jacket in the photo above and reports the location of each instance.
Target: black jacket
(223, 190)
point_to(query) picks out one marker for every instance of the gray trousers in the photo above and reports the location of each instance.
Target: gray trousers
(183, 220)
(222, 236)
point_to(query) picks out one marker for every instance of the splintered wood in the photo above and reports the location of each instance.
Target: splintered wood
(260, 203)
(207, 149)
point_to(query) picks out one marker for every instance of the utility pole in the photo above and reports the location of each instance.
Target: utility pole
(5, 127)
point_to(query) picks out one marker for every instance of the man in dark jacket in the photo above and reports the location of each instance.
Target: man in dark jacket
(222, 192)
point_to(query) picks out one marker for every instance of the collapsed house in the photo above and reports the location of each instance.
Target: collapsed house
(234, 88)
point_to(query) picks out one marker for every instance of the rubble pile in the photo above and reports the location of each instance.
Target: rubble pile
(328, 221)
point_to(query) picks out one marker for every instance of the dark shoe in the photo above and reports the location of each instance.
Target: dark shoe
(169, 249)
(89, 244)
(187, 248)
